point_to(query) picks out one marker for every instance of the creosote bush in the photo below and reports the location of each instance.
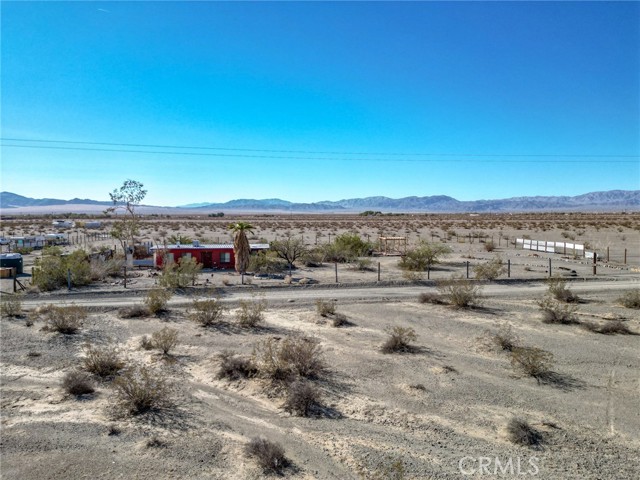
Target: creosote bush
(532, 361)
(302, 397)
(423, 256)
(103, 361)
(207, 312)
(250, 314)
(141, 389)
(290, 357)
(180, 274)
(558, 289)
(11, 305)
(433, 298)
(156, 299)
(67, 320)
(269, 455)
(234, 366)
(490, 270)
(51, 271)
(399, 340)
(325, 307)
(165, 340)
(146, 343)
(521, 433)
(554, 311)
(631, 299)
(460, 292)
(78, 382)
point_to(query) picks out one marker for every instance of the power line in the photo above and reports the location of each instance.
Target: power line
(308, 152)
(276, 157)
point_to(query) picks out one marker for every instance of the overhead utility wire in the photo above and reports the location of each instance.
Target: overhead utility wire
(430, 160)
(314, 152)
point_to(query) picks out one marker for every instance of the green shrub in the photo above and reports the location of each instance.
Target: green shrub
(50, 272)
(180, 274)
(11, 305)
(423, 256)
(156, 299)
(251, 312)
(207, 312)
(558, 290)
(140, 389)
(103, 361)
(490, 270)
(269, 455)
(346, 248)
(399, 340)
(460, 292)
(136, 311)
(267, 262)
(631, 299)
(67, 320)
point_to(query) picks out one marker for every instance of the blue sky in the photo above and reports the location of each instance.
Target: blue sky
(473, 100)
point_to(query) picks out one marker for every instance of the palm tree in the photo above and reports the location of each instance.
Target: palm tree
(241, 248)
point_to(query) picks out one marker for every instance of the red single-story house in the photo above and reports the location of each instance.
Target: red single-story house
(217, 255)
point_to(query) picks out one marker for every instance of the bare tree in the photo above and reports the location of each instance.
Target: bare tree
(290, 249)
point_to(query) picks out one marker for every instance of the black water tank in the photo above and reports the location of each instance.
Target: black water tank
(11, 260)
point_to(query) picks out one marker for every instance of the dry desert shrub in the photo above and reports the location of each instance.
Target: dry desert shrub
(460, 292)
(67, 320)
(234, 366)
(136, 311)
(505, 338)
(631, 299)
(612, 327)
(532, 361)
(287, 358)
(554, 311)
(103, 361)
(11, 305)
(340, 320)
(156, 299)
(165, 340)
(269, 455)
(558, 289)
(78, 382)
(489, 246)
(325, 307)
(207, 312)
(399, 340)
(433, 298)
(490, 270)
(146, 343)
(250, 314)
(140, 389)
(302, 397)
(521, 433)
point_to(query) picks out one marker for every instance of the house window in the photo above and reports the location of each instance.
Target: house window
(225, 257)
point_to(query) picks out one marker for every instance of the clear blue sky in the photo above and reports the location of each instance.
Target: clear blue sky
(556, 85)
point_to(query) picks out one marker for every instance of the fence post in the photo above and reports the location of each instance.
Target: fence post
(335, 264)
(607, 254)
(625, 256)
(467, 268)
(378, 271)
(14, 271)
(125, 276)
(549, 267)
(509, 268)
(428, 272)
(68, 278)
(594, 261)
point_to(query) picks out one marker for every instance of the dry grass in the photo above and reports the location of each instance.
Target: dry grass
(234, 366)
(399, 340)
(67, 320)
(554, 311)
(141, 389)
(250, 314)
(207, 312)
(631, 299)
(165, 339)
(103, 361)
(290, 357)
(532, 361)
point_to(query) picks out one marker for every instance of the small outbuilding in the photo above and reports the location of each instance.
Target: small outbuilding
(217, 255)
(12, 260)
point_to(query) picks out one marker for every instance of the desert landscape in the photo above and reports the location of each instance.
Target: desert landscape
(359, 378)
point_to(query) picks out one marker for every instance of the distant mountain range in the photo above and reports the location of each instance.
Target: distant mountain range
(615, 200)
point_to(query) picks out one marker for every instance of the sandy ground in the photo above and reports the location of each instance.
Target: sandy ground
(447, 403)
